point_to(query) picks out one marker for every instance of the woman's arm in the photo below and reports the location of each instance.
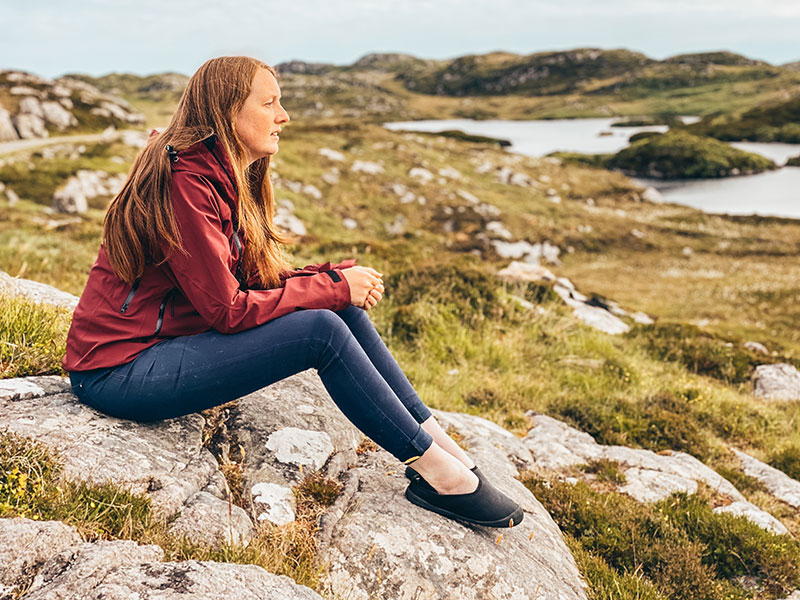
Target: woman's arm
(204, 276)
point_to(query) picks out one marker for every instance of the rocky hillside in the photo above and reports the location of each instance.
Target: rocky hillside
(627, 369)
(774, 122)
(34, 107)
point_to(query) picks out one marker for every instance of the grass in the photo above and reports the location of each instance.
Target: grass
(676, 548)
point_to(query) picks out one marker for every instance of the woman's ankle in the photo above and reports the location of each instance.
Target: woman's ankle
(444, 472)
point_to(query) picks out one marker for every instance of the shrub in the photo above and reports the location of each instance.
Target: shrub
(788, 461)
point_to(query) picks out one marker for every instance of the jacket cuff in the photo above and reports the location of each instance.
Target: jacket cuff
(342, 288)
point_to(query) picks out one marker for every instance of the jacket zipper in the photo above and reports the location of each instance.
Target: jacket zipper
(161, 311)
(130, 296)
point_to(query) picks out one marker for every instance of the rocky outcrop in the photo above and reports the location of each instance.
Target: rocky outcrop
(34, 105)
(648, 476)
(600, 314)
(777, 382)
(73, 196)
(778, 483)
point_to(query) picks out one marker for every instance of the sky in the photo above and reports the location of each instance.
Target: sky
(54, 37)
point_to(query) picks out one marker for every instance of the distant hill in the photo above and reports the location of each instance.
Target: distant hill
(777, 122)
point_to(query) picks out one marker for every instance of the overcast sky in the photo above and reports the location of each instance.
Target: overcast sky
(53, 37)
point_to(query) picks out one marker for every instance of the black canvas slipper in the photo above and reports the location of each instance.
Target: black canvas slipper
(486, 506)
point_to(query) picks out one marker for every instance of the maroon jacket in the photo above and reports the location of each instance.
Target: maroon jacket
(114, 321)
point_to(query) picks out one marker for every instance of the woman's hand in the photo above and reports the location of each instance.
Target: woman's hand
(366, 286)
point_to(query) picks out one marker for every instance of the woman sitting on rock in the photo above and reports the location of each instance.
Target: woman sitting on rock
(191, 303)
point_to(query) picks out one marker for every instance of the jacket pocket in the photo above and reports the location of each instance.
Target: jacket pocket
(130, 296)
(161, 310)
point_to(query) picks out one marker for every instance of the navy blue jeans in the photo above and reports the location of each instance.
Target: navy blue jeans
(187, 374)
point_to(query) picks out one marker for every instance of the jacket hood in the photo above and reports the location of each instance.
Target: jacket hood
(209, 159)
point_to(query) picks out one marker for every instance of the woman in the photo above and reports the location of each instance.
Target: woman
(191, 303)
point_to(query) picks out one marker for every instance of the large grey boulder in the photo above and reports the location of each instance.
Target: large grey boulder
(780, 381)
(207, 519)
(649, 476)
(57, 115)
(38, 292)
(30, 126)
(375, 543)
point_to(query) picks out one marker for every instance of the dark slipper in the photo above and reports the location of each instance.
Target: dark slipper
(414, 476)
(486, 506)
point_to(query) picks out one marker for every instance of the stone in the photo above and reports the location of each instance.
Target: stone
(349, 223)
(31, 106)
(498, 229)
(7, 130)
(331, 176)
(70, 198)
(756, 347)
(420, 174)
(651, 194)
(273, 502)
(38, 292)
(761, 518)
(779, 381)
(206, 519)
(30, 126)
(333, 155)
(522, 271)
(57, 115)
(450, 173)
(778, 483)
(366, 166)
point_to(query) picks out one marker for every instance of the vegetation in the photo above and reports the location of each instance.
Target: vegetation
(773, 122)
(680, 155)
(676, 548)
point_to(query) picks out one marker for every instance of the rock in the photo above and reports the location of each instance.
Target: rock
(450, 173)
(468, 196)
(398, 226)
(756, 347)
(7, 130)
(349, 223)
(372, 552)
(780, 381)
(330, 154)
(778, 483)
(206, 519)
(761, 518)
(273, 502)
(38, 292)
(70, 198)
(523, 271)
(31, 106)
(331, 176)
(57, 115)
(312, 191)
(137, 139)
(164, 460)
(264, 429)
(650, 477)
(422, 175)
(651, 194)
(638, 234)
(531, 252)
(26, 545)
(642, 318)
(122, 570)
(365, 166)
(30, 126)
(687, 251)
(73, 196)
(285, 218)
(11, 196)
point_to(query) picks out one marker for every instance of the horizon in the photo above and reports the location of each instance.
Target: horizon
(98, 37)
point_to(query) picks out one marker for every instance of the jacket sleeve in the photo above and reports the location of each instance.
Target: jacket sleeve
(205, 278)
(254, 284)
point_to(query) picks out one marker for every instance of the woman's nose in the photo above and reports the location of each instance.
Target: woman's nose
(282, 116)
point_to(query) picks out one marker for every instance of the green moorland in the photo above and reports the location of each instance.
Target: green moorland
(772, 122)
(468, 344)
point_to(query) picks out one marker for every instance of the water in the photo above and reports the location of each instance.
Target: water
(775, 193)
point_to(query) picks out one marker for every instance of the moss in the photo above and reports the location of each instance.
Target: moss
(788, 461)
(794, 161)
(606, 470)
(598, 161)
(680, 155)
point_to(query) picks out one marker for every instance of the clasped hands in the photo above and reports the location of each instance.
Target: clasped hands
(366, 286)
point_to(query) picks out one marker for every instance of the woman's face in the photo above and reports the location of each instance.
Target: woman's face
(259, 121)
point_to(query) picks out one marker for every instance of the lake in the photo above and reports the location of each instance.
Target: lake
(775, 193)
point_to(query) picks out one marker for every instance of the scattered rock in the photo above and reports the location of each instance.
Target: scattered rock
(779, 381)
(422, 175)
(756, 347)
(333, 155)
(349, 223)
(74, 195)
(524, 271)
(331, 176)
(366, 166)
(206, 519)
